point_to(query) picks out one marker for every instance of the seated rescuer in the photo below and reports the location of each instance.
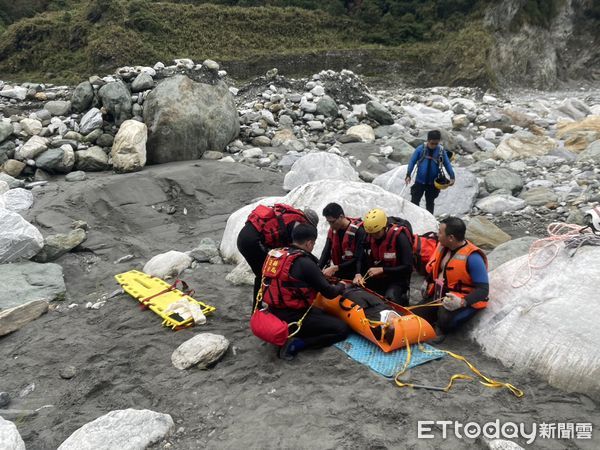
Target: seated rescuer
(293, 288)
(389, 257)
(269, 227)
(458, 276)
(344, 244)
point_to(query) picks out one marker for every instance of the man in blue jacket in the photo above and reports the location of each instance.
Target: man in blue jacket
(429, 159)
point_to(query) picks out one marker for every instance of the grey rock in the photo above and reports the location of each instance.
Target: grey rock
(105, 140)
(71, 136)
(509, 250)
(6, 129)
(499, 203)
(91, 160)
(503, 179)
(327, 107)
(34, 147)
(261, 141)
(212, 155)
(11, 181)
(539, 196)
(78, 175)
(17, 92)
(591, 153)
(200, 117)
(205, 251)
(142, 82)
(83, 96)
(129, 429)
(92, 136)
(380, 113)
(27, 281)
(58, 244)
(56, 160)
(4, 399)
(7, 151)
(58, 107)
(68, 372)
(402, 150)
(116, 100)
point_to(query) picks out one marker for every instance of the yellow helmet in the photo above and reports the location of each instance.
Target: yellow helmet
(375, 220)
(441, 183)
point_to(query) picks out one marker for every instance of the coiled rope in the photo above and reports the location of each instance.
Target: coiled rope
(543, 251)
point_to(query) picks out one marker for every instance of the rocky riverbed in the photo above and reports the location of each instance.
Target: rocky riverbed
(79, 204)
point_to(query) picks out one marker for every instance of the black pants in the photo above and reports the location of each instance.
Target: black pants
(250, 245)
(447, 321)
(318, 329)
(416, 193)
(394, 291)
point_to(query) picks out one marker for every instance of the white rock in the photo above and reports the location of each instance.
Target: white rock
(252, 153)
(456, 200)
(319, 166)
(18, 238)
(499, 203)
(17, 92)
(31, 126)
(490, 99)
(241, 275)
(90, 121)
(549, 324)
(166, 265)
(35, 146)
(503, 444)
(18, 200)
(10, 439)
(127, 429)
(202, 350)
(129, 147)
(484, 144)
(523, 145)
(429, 118)
(364, 132)
(315, 125)
(356, 199)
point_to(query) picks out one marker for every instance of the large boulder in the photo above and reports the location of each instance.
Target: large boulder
(35, 146)
(58, 107)
(546, 322)
(57, 245)
(116, 100)
(380, 113)
(129, 147)
(591, 154)
(427, 118)
(57, 160)
(509, 250)
(6, 129)
(484, 234)
(9, 436)
(186, 118)
(356, 199)
(503, 179)
(28, 281)
(91, 120)
(362, 132)
(126, 429)
(18, 200)
(499, 203)
(18, 238)
(319, 166)
(91, 160)
(167, 265)
(456, 200)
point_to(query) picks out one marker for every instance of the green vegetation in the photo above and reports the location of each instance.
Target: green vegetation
(67, 40)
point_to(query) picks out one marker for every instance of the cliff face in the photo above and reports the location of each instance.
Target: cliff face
(542, 56)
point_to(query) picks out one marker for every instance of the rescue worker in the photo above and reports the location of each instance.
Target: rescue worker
(430, 159)
(292, 279)
(269, 227)
(389, 256)
(344, 245)
(458, 276)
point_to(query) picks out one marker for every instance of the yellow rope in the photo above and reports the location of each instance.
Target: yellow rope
(488, 382)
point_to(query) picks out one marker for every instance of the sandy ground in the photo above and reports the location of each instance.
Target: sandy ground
(250, 398)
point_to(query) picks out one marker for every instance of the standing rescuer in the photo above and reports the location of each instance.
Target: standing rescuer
(430, 159)
(458, 277)
(389, 256)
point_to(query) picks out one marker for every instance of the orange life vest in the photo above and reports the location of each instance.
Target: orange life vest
(280, 289)
(385, 253)
(347, 249)
(456, 274)
(272, 221)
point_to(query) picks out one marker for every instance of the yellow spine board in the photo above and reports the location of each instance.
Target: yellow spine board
(142, 286)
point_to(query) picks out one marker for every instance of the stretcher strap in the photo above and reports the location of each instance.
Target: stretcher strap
(187, 291)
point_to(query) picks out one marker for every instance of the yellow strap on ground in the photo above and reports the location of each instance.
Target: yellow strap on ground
(487, 383)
